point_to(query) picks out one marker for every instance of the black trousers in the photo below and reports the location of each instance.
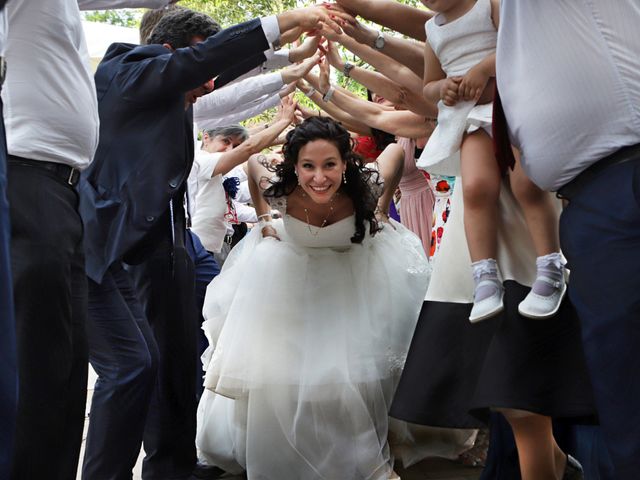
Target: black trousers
(50, 294)
(165, 283)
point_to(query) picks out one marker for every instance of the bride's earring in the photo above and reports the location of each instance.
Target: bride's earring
(344, 176)
(297, 177)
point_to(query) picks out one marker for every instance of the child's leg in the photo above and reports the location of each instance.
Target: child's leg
(481, 188)
(539, 212)
(540, 456)
(542, 220)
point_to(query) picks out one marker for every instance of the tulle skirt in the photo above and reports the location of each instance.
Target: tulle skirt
(307, 345)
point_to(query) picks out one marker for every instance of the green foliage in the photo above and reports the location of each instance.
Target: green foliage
(122, 17)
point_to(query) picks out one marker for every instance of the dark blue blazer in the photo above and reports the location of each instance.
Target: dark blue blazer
(145, 151)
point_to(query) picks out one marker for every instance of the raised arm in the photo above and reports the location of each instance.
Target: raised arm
(400, 123)
(404, 51)
(258, 142)
(347, 120)
(402, 97)
(394, 15)
(386, 65)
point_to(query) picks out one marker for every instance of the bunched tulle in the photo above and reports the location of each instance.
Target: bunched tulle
(307, 344)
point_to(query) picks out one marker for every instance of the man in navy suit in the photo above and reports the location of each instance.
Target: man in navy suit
(141, 283)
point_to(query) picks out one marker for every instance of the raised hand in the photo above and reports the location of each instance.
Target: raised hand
(333, 56)
(324, 77)
(360, 33)
(308, 48)
(287, 109)
(294, 72)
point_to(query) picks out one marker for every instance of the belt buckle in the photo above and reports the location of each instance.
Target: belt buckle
(74, 175)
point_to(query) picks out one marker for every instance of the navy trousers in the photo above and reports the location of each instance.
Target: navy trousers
(165, 284)
(8, 359)
(124, 354)
(50, 297)
(600, 236)
(206, 269)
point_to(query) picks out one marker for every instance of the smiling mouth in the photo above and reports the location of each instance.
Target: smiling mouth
(320, 189)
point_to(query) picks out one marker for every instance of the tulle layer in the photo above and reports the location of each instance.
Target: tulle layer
(307, 347)
(313, 316)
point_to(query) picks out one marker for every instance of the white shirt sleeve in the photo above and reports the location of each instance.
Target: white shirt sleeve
(235, 117)
(233, 97)
(276, 60)
(109, 4)
(245, 213)
(271, 29)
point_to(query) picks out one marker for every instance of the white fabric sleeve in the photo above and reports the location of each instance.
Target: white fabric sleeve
(206, 164)
(233, 96)
(271, 29)
(275, 60)
(235, 117)
(109, 4)
(245, 213)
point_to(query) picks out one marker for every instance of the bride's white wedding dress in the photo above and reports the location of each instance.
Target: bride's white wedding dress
(308, 337)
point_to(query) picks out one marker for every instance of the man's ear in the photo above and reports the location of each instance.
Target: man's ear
(168, 45)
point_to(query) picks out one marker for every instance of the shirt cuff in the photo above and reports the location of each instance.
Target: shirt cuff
(276, 60)
(271, 30)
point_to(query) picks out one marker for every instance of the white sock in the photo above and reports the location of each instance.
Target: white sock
(485, 270)
(552, 267)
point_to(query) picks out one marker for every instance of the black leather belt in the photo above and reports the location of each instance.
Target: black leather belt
(624, 155)
(66, 173)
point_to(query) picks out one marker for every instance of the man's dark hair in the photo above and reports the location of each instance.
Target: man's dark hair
(151, 18)
(178, 27)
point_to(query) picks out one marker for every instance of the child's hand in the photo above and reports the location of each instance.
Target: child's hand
(473, 84)
(449, 91)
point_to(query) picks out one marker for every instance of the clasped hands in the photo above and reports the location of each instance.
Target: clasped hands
(468, 87)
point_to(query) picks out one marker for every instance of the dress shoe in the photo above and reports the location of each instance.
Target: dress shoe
(540, 307)
(490, 306)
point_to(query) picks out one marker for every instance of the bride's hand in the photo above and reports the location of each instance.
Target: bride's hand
(269, 232)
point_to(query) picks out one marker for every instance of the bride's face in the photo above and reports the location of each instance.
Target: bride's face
(319, 168)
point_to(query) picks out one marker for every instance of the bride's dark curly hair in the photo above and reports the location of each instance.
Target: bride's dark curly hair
(360, 179)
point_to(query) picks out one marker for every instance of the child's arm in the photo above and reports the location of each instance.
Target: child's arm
(436, 84)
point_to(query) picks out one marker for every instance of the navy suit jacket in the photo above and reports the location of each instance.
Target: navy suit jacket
(145, 150)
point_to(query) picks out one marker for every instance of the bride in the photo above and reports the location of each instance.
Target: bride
(311, 318)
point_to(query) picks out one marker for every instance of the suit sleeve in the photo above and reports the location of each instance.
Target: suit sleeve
(143, 78)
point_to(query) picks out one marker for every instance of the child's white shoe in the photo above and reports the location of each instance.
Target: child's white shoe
(547, 292)
(541, 307)
(489, 306)
(489, 292)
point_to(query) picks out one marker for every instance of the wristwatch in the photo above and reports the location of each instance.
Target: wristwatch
(346, 70)
(378, 43)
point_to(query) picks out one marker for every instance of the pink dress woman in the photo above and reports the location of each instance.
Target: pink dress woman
(416, 205)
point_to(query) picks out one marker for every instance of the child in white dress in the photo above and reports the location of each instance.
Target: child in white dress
(459, 75)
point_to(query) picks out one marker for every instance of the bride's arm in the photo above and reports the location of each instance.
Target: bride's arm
(258, 180)
(390, 164)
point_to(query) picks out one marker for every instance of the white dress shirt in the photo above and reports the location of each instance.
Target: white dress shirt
(210, 203)
(3, 31)
(233, 97)
(569, 79)
(51, 110)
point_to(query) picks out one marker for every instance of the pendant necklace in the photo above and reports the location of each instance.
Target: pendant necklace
(326, 218)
